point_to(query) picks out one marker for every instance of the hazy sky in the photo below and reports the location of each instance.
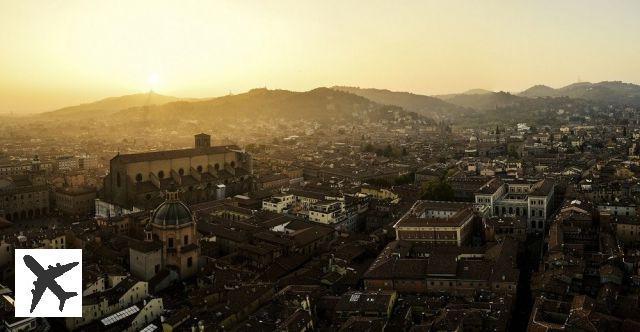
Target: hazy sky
(59, 53)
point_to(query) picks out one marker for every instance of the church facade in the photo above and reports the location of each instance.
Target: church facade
(202, 173)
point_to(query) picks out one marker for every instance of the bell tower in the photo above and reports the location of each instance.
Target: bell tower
(203, 141)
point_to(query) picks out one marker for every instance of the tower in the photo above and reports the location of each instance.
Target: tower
(203, 141)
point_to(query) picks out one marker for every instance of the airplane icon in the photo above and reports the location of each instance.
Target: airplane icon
(46, 279)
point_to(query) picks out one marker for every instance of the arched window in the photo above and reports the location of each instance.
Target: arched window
(217, 166)
(199, 168)
(233, 164)
(138, 177)
(161, 175)
(181, 171)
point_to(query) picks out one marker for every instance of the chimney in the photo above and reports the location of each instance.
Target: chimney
(203, 141)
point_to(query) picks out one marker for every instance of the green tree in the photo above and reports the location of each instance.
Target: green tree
(437, 190)
(388, 151)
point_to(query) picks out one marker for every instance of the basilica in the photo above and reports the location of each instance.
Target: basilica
(202, 173)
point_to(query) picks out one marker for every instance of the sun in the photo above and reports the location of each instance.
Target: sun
(153, 80)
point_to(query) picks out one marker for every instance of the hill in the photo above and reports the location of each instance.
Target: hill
(421, 104)
(321, 104)
(468, 92)
(539, 91)
(483, 101)
(111, 105)
(607, 91)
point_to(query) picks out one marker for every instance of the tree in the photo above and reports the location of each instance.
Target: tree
(369, 148)
(388, 151)
(437, 190)
(513, 153)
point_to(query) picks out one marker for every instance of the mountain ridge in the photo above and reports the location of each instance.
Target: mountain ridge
(422, 104)
(605, 91)
(110, 105)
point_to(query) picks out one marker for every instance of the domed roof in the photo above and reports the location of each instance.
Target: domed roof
(171, 213)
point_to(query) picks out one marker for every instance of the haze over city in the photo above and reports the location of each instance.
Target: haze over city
(62, 53)
(323, 166)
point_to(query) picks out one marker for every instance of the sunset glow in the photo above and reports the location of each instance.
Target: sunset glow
(57, 53)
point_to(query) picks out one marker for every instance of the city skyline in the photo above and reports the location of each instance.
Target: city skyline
(66, 53)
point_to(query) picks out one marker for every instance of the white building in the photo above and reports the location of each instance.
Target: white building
(315, 206)
(108, 296)
(520, 198)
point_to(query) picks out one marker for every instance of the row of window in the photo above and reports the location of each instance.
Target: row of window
(15, 197)
(199, 168)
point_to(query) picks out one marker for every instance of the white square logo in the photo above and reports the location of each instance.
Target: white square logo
(48, 282)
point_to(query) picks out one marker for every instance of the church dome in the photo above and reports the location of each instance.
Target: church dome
(172, 212)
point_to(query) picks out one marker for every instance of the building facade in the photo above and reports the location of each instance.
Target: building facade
(75, 201)
(530, 199)
(24, 197)
(449, 223)
(203, 173)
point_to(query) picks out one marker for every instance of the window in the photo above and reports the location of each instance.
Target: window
(186, 240)
(118, 179)
(181, 171)
(217, 166)
(189, 261)
(199, 168)
(138, 177)
(170, 242)
(233, 164)
(161, 175)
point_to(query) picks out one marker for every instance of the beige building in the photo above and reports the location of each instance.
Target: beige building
(24, 197)
(203, 173)
(145, 259)
(75, 201)
(437, 222)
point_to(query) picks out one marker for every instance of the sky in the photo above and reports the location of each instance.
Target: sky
(61, 53)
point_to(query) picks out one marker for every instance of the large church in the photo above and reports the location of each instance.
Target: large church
(202, 173)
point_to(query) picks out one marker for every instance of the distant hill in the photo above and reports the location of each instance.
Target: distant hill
(321, 104)
(112, 105)
(477, 92)
(539, 91)
(421, 104)
(468, 92)
(483, 101)
(607, 91)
